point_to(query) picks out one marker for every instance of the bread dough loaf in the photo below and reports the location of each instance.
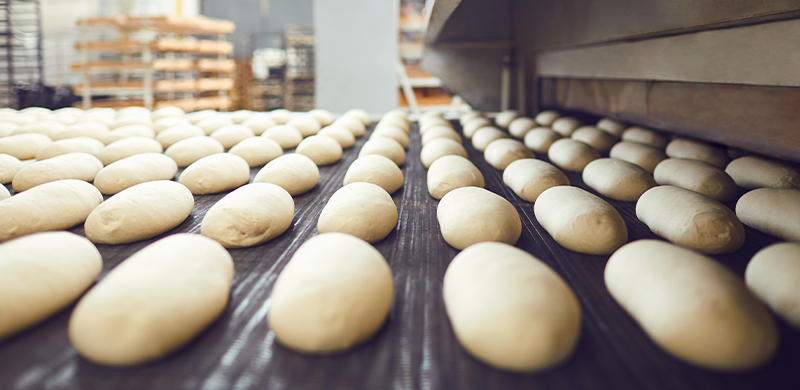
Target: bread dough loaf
(774, 211)
(399, 121)
(250, 215)
(580, 221)
(240, 116)
(571, 155)
(4, 194)
(691, 306)
(450, 172)
(70, 145)
(133, 170)
(56, 205)
(231, 135)
(440, 132)
(165, 294)
(697, 150)
(386, 147)
(139, 212)
(439, 148)
(504, 151)
(377, 170)
(197, 116)
(359, 114)
(78, 166)
(6, 128)
(9, 166)
(281, 116)
(428, 123)
(320, 149)
(363, 210)
(486, 135)
(286, 136)
(751, 172)
(41, 274)
(45, 127)
(259, 124)
(91, 129)
(324, 117)
(594, 137)
(529, 177)
(521, 126)
(167, 112)
(188, 151)
(214, 123)
(617, 179)
(691, 220)
(509, 309)
(162, 124)
(296, 173)
(646, 157)
(470, 215)
(123, 120)
(170, 136)
(504, 118)
(773, 275)
(566, 125)
(356, 126)
(697, 176)
(24, 146)
(257, 151)
(547, 117)
(468, 116)
(127, 132)
(334, 293)
(341, 134)
(470, 127)
(611, 126)
(215, 173)
(645, 137)
(128, 147)
(307, 125)
(391, 132)
(540, 139)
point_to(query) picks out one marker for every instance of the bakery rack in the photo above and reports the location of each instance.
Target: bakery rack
(20, 48)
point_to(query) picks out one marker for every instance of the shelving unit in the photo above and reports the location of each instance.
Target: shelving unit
(298, 91)
(155, 62)
(20, 48)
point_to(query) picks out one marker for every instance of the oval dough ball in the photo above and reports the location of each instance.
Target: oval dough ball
(546, 118)
(386, 147)
(324, 117)
(77, 166)
(644, 156)
(466, 117)
(281, 116)
(128, 147)
(56, 205)
(540, 139)
(171, 135)
(70, 145)
(90, 129)
(691, 306)
(431, 122)
(617, 179)
(529, 177)
(307, 125)
(504, 118)
(241, 116)
(165, 294)
(357, 127)
(696, 176)
(440, 132)
(320, 149)
(521, 126)
(571, 155)
(377, 170)
(286, 136)
(359, 114)
(4, 194)
(486, 135)
(24, 146)
(231, 135)
(451, 172)
(214, 123)
(391, 132)
(750, 172)
(341, 134)
(167, 112)
(566, 125)
(296, 173)
(133, 170)
(774, 211)
(259, 124)
(6, 128)
(691, 220)
(187, 152)
(594, 137)
(470, 215)
(334, 293)
(698, 150)
(250, 215)
(611, 126)
(645, 137)
(580, 221)
(257, 151)
(48, 128)
(128, 132)
(493, 294)
(9, 166)
(139, 212)
(363, 210)
(504, 151)
(474, 125)
(439, 148)
(197, 116)
(397, 121)
(130, 120)
(55, 267)
(215, 173)
(773, 275)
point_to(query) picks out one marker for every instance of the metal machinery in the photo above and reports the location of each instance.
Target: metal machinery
(20, 48)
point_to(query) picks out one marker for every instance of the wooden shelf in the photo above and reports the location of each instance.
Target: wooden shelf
(124, 46)
(208, 65)
(163, 24)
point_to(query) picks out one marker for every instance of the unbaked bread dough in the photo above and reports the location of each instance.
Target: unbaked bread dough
(504, 151)
(128, 147)
(232, 134)
(307, 125)
(139, 212)
(167, 112)
(646, 157)
(259, 124)
(41, 274)
(281, 116)
(386, 147)
(213, 123)
(774, 211)
(529, 177)
(70, 145)
(9, 166)
(6, 128)
(165, 123)
(296, 173)
(4, 194)
(440, 132)
(435, 121)
(617, 179)
(46, 127)
(691, 220)
(470, 127)
(341, 134)
(540, 139)
(334, 293)
(547, 117)
(450, 172)
(566, 125)
(240, 116)
(133, 170)
(359, 114)
(356, 126)
(773, 275)
(470, 215)
(78, 166)
(215, 173)
(504, 118)
(257, 151)
(399, 121)
(188, 151)
(324, 117)
(697, 176)
(438, 148)
(611, 126)
(377, 170)
(692, 306)
(571, 155)
(286, 136)
(389, 131)
(594, 137)
(250, 215)
(363, 210)
(751, 172)
(24, 146)
(698, 150)
(127, 132)
(645, 137)
(509, 309)
(468, 116)
(56, 205)
(321, 149)
(171, 135)
(123, 120)
(521, 126)
(484, 136)
(165, 294)
(89, 129)
(197, 116)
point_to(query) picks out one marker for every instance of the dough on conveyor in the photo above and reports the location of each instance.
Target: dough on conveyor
(647, 157)
(611, 126)
(197, 116)
(133, 170)
(501, 152)
(450, 172)
(485, 135)
(359, 114)
(377, 170)
(471, 126)
(321, 149)
(392, 132)
(566, 125)
(529, 177)
(257, 151)
(215, 173)
(45, 127)
(594, 137)
(546, 118)
(70, 145)
(509, 309)
(752, 172)
(165, 123)
(165, 294)
(188, 151)
(540, 139)
(24, 146)
(363, 210)
(41, 274)
(324, 117)
(4, 194)
(356, 126)
(91, 129)
(645, 137)
(692, 306)
(386, 147)
(286, 136)
(468, 116)
(259, 124)
(307, 125)
(128, 147)
(170, 136)
(167, 112)
(331, 277)
(698, 150)
(470, 215)
(213, 123)
(571, 155)
(504, 118)
(439, 148)
(128, 132)
(340, 133)
(617, 179)
(697, 176)
(78, 166)
(775, 211)
(773, 275)
(440, 132)
(9, 166)
(125, 120)
(139, 212)
(521, 126)
(281, 116)
(231, 135)
(690, 219)
(296, 173)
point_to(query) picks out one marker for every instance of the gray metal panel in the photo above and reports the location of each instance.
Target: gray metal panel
(474, 21)
(471, 72)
